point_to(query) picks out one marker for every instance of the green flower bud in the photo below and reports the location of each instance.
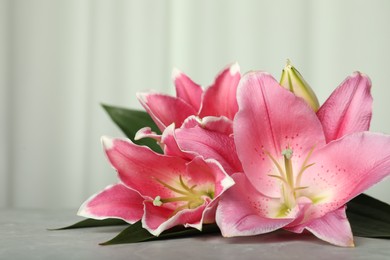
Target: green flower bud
(292, 80)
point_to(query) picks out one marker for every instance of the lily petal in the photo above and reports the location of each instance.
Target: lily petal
(348, 109)
(165, 109)
(209, 145)
(263, 128)
(139, 167)
(345, 168)
(219, 124)
(243, 211)
(334, 228)
(146, 132)
(186, 89)
(115, 201)
(158, 219)
(220, 98)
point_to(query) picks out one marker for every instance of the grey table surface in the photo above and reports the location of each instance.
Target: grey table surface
(24, 235)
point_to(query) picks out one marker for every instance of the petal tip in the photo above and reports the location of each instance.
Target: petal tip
(141, 97)
(175, 73)
(227, 182)
(107, 142)
(234, 69)
(361, 75)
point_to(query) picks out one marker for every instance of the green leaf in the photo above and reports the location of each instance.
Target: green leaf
(86, 223)
(369, 217)
(136, 233)
(130, 121)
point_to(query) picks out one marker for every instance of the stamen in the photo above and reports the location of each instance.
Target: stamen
(192, 198)
(170, 187)
(305, 166)
(157, 201)
(183, 184)
(279, 178)
(300, 188)
(276, 163)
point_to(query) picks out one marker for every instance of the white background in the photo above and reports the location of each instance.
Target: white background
(60, 59)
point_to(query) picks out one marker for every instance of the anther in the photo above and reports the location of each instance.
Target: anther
(157, 201)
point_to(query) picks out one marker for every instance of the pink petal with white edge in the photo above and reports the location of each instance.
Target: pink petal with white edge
(204, 174)
(146, 132)
(158, 219)
(220, 124)
(206, 171)
(243, 211)
(333, 228)
(186, 89)
(115, 201)
(348, 109)
(165, 109)
(209, 145)
(141, 169)
(345, 168)
(271, 119)
(168, 184)
(220, 98)
(171, 148)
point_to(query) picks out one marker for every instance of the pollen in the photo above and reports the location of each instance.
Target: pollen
(157, 201)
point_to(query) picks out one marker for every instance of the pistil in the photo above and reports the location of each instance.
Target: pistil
(290, 184)
(287, 154)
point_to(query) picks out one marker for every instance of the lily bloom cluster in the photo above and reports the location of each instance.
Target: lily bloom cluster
(249, 153)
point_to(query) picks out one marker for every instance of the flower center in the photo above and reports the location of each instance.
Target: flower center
(189, 196)
(291, 184)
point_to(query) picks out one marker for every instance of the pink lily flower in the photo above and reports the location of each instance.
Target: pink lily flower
(219, 100)
(170, 190)
(293, 178)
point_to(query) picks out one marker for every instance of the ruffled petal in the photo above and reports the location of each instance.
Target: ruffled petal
(243, 211)
(204, 174)
(165, 109)
(209, 145)
(142, 169)
(271, 119)
(220, 98)
(169, 142)
(219, 124)
(348, 109)
(186, 89)
(115, 201)
(158, 219)
(146, 132)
